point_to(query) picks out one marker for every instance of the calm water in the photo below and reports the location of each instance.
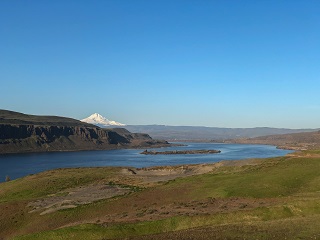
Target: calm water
(19, 165)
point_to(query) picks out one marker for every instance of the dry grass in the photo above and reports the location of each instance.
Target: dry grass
(259, 199)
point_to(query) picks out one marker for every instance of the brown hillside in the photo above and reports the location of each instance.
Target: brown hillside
(295, 141)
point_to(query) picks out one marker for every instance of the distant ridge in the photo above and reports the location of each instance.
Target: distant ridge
(194, 133)
(294, 141)
(98, 120)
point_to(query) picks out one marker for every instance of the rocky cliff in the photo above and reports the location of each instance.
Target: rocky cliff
(18, 134)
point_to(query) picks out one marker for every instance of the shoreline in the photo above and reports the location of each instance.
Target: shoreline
(93, 149)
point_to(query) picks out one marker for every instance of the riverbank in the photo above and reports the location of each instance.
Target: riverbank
(19, 165)
(280, 195)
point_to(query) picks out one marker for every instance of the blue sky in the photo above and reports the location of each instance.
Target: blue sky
(205, 63)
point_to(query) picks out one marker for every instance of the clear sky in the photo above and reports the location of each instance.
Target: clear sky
(206, 63)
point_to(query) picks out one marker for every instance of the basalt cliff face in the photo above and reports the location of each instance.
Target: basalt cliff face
(18, 135)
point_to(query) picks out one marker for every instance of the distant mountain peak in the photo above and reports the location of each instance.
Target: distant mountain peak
(101, 121)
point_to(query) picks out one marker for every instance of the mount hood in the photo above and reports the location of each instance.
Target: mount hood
(98, 120)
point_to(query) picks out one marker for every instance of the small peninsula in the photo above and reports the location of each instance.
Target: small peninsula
(203, 151)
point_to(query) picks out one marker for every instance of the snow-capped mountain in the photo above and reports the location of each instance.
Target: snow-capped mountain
(97, 119)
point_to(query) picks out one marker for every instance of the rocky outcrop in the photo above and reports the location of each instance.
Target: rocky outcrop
(33, 138)
(31, 133)
(49, 133)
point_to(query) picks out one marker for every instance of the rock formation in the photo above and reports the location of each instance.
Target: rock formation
(26, 133)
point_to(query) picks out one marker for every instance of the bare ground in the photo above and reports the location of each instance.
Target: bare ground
(74, 197)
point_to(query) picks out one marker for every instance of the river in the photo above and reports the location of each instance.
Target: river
(19, 165)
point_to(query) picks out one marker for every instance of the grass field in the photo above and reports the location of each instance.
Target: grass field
(273, 198)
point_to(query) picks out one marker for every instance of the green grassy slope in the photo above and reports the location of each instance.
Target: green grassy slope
(277, 197)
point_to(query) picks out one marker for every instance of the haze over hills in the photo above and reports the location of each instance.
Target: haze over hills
(208, 133)
(294, 141)
(180, 133)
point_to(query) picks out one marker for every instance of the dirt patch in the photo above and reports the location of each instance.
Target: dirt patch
(71, 198)
(141, 177)
(166, 173)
